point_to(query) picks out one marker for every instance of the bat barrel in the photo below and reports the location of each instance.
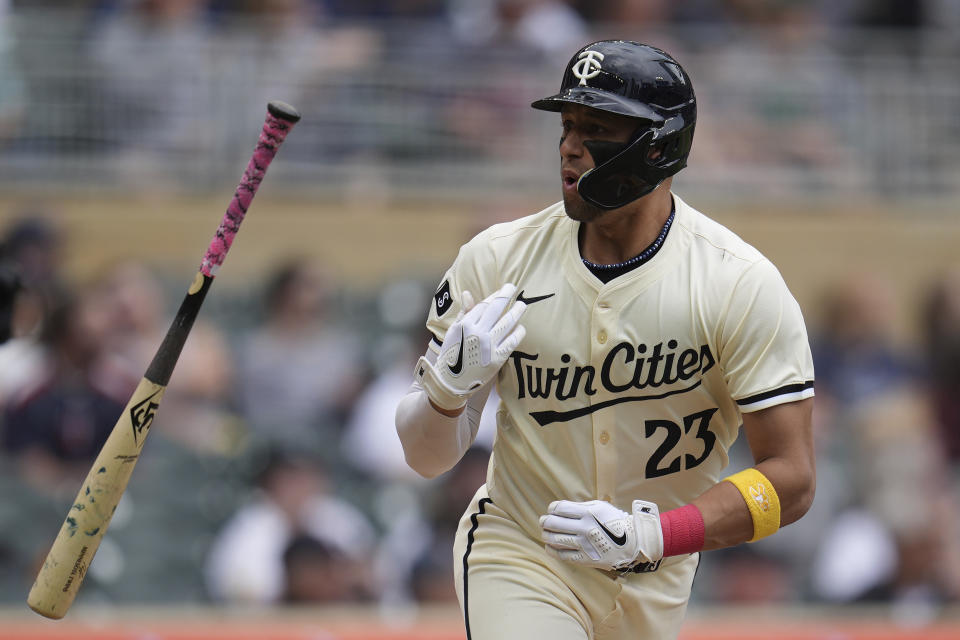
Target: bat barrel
(79, 538)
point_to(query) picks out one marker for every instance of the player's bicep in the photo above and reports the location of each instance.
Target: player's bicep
(763, 346)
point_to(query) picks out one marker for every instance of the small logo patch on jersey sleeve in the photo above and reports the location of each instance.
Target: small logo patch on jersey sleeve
(443, 298)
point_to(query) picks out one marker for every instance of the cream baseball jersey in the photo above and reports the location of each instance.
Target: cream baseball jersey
(634, 388)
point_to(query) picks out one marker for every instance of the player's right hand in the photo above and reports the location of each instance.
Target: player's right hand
(474, 348)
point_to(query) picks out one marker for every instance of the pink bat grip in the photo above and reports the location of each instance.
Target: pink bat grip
(275, 130)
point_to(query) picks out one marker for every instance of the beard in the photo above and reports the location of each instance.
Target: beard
(579, 209)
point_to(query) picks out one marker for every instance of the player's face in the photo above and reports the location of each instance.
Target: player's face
(585, 123)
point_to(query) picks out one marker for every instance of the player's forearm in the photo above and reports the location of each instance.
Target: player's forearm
(728, 521)
(433, 442)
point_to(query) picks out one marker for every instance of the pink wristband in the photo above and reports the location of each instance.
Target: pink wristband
(683, 530)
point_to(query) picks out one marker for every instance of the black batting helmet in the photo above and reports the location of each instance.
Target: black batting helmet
(642, 82)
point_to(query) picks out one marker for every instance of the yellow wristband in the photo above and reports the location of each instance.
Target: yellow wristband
(761, 499)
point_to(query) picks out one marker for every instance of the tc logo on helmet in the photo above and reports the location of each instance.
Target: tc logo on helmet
(587, 66)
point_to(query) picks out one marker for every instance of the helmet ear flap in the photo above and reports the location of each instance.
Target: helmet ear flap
(623, 173)
(615, 181)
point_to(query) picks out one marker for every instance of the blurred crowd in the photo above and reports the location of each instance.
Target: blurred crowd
(152, 88)
(528, 13)
(274, 476)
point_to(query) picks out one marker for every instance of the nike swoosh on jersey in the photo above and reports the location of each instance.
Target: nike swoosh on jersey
(457, 366)
(617, 540)
(520, 298)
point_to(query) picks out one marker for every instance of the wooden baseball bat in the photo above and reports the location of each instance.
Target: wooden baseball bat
(75, 545)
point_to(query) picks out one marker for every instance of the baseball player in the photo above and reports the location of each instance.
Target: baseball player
(629, 337)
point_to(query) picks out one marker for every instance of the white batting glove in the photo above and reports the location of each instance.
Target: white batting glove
(474, 348)
(597, 534)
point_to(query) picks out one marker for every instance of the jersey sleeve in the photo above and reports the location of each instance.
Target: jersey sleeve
(475, 270)
(764, 349)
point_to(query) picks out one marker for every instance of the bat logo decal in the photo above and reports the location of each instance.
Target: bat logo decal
(142, 414)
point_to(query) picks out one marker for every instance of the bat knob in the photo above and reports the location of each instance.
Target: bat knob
(283, 111)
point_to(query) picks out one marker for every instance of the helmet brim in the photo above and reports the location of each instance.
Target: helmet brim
(598, 99)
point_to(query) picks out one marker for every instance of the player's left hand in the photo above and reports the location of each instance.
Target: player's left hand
(597, 534)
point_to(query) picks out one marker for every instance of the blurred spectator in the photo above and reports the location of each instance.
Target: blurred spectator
(858, 363)
(299, 371)
(502, 33)
(854, 351)
(135, 305)
(285, 43)
(22, 360)
(370, 441)
(414, 562)
(56, 425)
(318, 573)
(196, 408)
(34, 243)
(748, 577)
(153, 61)
(284, 49)
(547, 27)
(246, 561)
(941, 332)
(32, 249)
(899, 543)
(769, 84)
(551, 27)
(431, 577)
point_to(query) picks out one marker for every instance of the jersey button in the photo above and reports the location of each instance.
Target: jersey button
(604, 437)
(602, 337)
(603, 306)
